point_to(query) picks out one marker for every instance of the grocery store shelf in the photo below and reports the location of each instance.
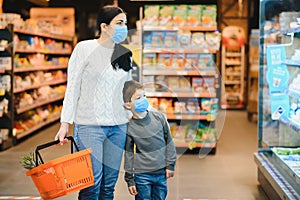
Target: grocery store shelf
(176, 28)
(36, 68)
(43, 51)
(177, 50)
(48, 35)
(188, 117)
(37, 127)
(35, 105)
(179, 72)
(186, 143)
(17, 90)
(180, 94)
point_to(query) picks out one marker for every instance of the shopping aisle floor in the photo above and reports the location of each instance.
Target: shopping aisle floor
(230, 174)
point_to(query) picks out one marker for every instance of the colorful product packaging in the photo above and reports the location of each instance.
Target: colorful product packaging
(180, 15)
(151, 15)
(194, 14)
(166, 15)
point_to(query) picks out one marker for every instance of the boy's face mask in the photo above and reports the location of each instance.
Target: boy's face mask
(120, 34)
(141, 105)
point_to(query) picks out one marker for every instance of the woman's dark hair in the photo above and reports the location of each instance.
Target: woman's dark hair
(121, 57)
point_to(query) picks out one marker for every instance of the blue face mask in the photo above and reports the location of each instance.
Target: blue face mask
(120, 34)
(141, 105)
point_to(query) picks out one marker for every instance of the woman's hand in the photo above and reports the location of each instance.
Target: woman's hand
(169, 173)
(132, 190)
(62, 133)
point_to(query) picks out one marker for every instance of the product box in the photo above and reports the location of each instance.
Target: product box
(153, 101)
(170, 39)
(209, 15)
(149, 83)
(184, 39)
(178, 61)
(173, 84)
(164, 60)
(209, 85)
(213, 40)
(194, 14)
(157, 39)
(206, 61)
(180, 15)
(149, 60)
(161, 84)
(147, 39)
(191, 61)
(151, 15)
(165, 105)
(197, 84)
(166, 15)
(198, 40)
(185, 84)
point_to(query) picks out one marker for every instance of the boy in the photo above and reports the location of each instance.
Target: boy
(150, 154)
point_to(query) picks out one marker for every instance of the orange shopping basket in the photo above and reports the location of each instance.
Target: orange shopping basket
(63, 175)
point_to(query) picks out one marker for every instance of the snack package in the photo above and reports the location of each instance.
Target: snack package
(194, 14)
(180, 15)
(178, 61)
(209, 85)
(198, 40)
(149, 60)
(147, 39)
(191, 61)
(157, 39)
(165, 105)
(151, 15)
(166, 15)
(164, 60)
(206, 61)
(184, 39)
(205, 105)
(170, 39)
(192, 106)
(173, 83)
(209, 15)
(213, 40)
(185, 84)
(179, 107)
(149, 83)
(197, 84)
(153, 101)
(161, 84)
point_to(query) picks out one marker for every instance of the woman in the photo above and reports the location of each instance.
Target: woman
(97, 71)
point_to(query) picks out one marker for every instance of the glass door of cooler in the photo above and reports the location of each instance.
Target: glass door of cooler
(278, 158)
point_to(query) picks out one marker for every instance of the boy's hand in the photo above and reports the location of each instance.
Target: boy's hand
(132, 190)
(169, 173)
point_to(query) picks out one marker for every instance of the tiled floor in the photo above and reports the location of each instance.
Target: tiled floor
(230, 174)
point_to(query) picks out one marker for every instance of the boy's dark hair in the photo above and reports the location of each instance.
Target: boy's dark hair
(129, 89)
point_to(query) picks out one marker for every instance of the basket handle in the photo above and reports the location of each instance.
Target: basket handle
(43, 146)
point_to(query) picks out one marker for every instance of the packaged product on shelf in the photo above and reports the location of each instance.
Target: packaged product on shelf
(153, 101)
(179, 107)
(198, 40)
(180, 15)
(166, 15)
(193, 106)
(209, 15)
(164, 60)
(151, 15)
(194, 13)
(206, 61)
(161, 84)
(178, 61)
(147, 39)
(178, 132)
(197, 84)
(170, 39)
(209, 85)
(185, 84)
(157, 39)
(191, 61)
(184, 39)
(149, 83)
(5, 63)
(213, 40)
(173, 84)
(205, 105)
(165, 105)
(149, 60)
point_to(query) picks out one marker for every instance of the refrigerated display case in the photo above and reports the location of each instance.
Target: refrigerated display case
(278, 156)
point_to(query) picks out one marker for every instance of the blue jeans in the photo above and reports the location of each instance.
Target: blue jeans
(107, 143)
(151, 186)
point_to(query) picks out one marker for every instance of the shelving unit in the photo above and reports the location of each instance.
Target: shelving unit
(39, 67)
(279, 96)
(6, 84)
(180, 77)
(233, 68)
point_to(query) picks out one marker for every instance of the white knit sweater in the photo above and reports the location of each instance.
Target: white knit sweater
(94, 88)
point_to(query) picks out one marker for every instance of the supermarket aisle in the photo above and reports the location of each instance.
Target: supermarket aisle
(229, 174)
